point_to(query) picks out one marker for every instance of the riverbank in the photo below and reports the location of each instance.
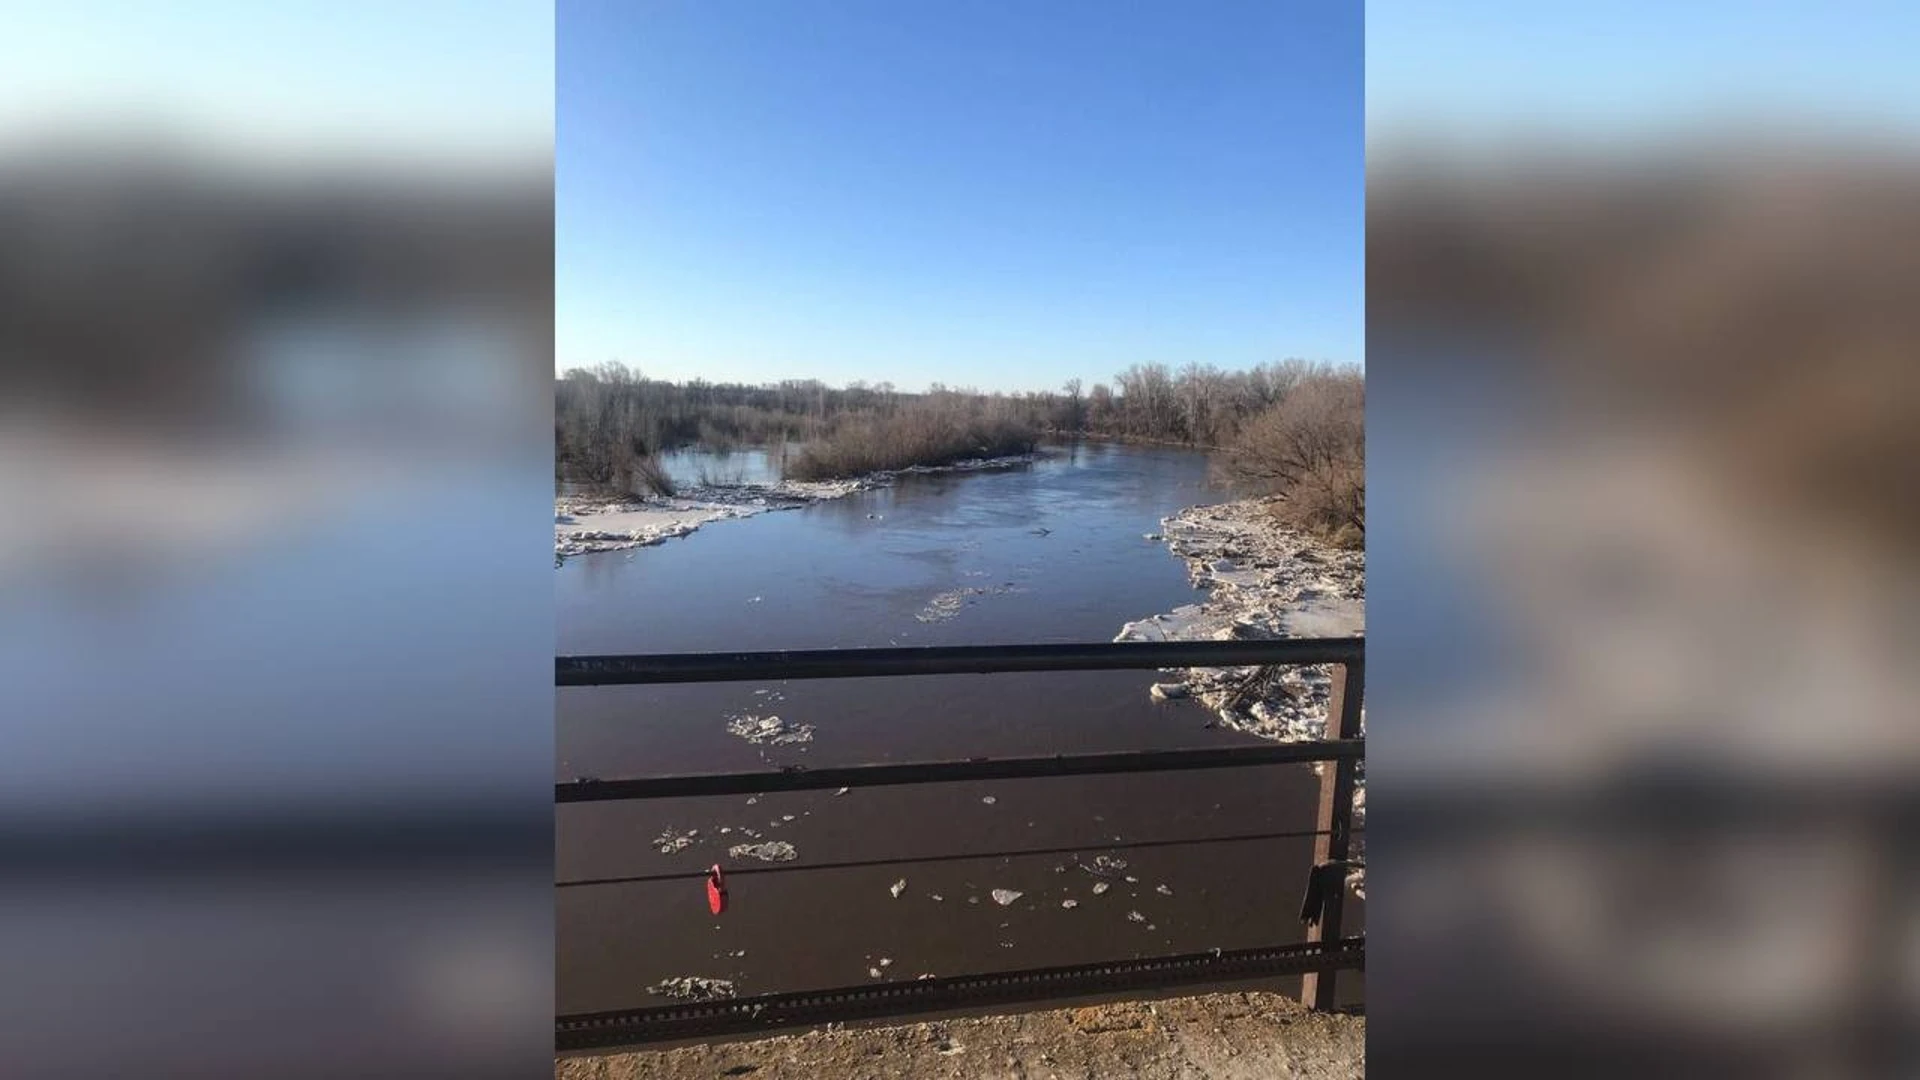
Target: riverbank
(1262, 580)
(1228, 1036)
(590, 523)
(583, 524)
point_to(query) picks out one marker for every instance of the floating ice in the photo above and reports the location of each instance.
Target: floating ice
(693, 988)
(769, 730)
(669, 841)
(771, 851)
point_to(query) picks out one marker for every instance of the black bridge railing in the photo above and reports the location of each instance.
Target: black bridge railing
(1317, 959)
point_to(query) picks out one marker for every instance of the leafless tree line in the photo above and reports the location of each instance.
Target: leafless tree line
(1291, 428)
(1197, 404)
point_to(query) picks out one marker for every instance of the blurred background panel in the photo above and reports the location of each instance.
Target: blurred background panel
(275, 351)
(1644, 319)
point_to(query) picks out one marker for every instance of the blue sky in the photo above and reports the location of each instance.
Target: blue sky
(999, 194)
(1635, 67)
(434, 82)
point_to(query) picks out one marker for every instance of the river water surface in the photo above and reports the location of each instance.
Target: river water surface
(1050, 552)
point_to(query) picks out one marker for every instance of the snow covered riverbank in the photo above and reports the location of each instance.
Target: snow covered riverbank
(1262, 581)
(585, 523)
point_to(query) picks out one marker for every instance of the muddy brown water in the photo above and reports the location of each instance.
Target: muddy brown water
(1054, 552)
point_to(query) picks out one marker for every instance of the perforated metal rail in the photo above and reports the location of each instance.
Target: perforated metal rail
(668, 1023)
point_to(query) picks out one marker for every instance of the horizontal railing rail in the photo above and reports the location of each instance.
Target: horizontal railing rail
(948, 660)
(797, 778)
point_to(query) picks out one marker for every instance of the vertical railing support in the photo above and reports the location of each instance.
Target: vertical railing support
(1334, 823)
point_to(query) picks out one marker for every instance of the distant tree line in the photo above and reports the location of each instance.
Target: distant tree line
(1196, 405)
(1291, 428)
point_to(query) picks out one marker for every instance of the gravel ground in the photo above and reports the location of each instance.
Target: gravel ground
(1218, 1036)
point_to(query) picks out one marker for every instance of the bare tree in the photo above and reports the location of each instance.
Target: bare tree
(1310, 450)
(1202, 396)
(1100, 410)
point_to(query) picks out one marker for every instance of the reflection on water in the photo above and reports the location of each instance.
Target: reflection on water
(704, 467)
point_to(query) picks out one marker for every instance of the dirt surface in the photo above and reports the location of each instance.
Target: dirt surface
(1219, 1036)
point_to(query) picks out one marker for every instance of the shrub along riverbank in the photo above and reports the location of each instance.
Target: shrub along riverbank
(909, 438)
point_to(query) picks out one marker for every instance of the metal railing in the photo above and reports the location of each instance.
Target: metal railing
(1317, 960)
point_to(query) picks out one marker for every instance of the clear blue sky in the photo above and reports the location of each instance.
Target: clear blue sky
(1000, 194)
(1632, 67)
(438, 81)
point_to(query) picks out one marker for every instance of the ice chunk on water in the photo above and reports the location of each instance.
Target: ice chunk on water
(771, 851)
(693, 988)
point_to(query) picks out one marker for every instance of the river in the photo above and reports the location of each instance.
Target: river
(1055, 551)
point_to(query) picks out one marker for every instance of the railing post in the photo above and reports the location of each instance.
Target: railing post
(1335, 823)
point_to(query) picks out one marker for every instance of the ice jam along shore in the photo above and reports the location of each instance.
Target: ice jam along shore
(583, 524)
(1261, 581)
